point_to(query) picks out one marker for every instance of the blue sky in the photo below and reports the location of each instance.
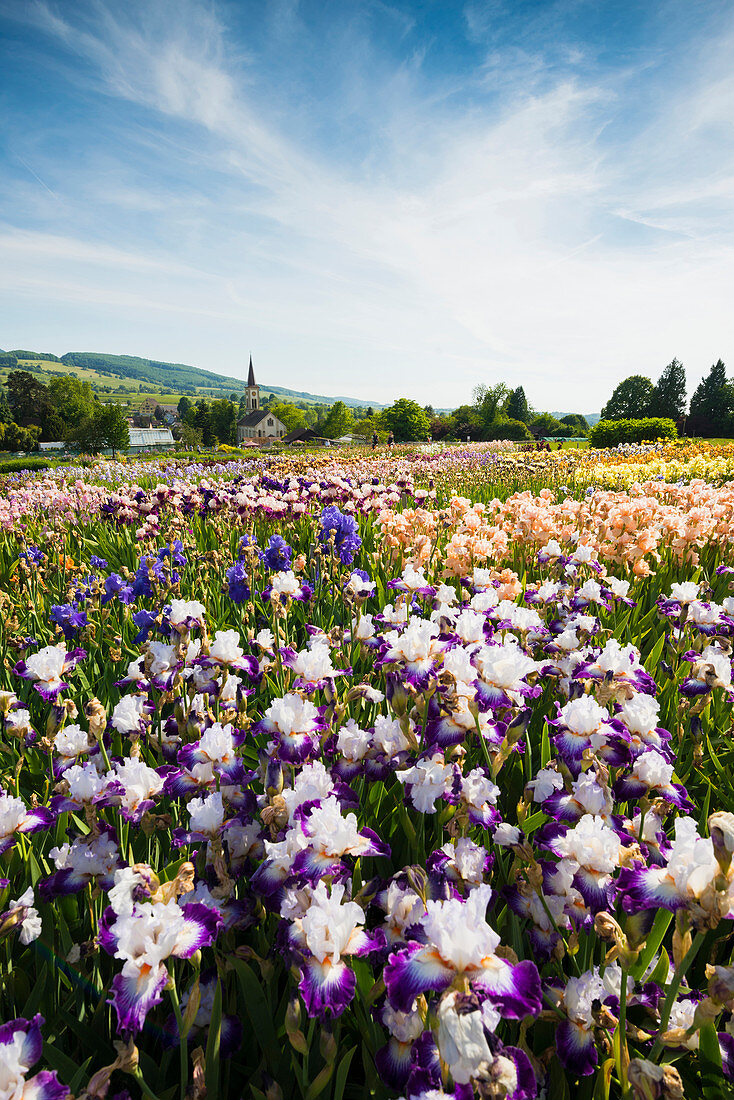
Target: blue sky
(374, 199)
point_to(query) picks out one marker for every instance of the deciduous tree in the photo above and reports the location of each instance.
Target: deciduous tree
(630, 400)
(406, 420)
(337, 423)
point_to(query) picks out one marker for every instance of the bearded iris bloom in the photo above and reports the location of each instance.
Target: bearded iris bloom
(344, 530)
(15, 819)
(144, 934)
(21, 1046)
(46, 668)
(459, 943)
(328, 933)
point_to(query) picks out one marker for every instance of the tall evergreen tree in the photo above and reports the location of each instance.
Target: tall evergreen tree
(203, 422)
(669, 392)
(223, 418)
(712, 405)
(30, 401)
(517, 406)
(5, 414)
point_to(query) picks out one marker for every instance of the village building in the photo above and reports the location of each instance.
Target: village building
(147, 409)
(257, 423)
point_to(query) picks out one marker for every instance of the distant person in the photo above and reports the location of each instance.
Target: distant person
(375, 441)
(390, 440)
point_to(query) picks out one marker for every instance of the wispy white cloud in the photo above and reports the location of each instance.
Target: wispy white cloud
(444, 233)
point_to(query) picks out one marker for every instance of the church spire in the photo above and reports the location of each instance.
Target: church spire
(253, 390)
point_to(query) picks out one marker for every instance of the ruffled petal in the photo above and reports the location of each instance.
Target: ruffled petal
(326, 986)
(134, 992)
(414, 970)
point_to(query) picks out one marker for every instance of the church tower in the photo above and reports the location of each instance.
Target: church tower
(253, 391)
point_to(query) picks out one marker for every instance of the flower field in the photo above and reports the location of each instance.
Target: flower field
(369, 776)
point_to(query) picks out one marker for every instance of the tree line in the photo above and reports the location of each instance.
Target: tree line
(66, 409)
(497, 412)
(711, 411)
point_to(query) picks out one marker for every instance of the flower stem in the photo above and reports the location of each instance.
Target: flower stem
(673, 991)
(182, 1041)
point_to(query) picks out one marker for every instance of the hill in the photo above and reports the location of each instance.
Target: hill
(591, 418)
(128, 376)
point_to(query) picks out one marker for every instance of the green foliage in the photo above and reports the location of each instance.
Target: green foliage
(224, 422)
(190, 436)
(13, 465)
(202, 421)
(508, 429)
(712, 405)
(20, 354)
(669, 392)
(5, 414)
(608, 433)
(364, 429)
(72, 398)
(29, 400)
(114, 426)
(406, 420)
(465, 422)
(547, 424)
(14, 437)
(577, 422)
(630, 399)
(488, 400)
(293, 418)
(516, 408)
(183, 406)
(105, 428)
(338, 422)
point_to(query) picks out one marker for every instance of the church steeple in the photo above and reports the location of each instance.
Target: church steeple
(253, 390)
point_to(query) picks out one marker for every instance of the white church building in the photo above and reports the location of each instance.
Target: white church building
(258, 423)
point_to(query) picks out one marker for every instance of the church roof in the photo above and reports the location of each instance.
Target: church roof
(256, 417)
(251, 375)
(253, 418)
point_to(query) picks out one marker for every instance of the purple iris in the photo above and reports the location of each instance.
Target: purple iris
(346, 533)
(69, 618)
(143, 620)
(32, 554)
(238, 588)
(175, 550)
(116, 587)
(278, 555)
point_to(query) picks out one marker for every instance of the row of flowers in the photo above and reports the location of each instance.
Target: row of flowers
(446, 807)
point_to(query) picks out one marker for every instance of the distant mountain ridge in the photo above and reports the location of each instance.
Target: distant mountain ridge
(194, 381)
(178, 377)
